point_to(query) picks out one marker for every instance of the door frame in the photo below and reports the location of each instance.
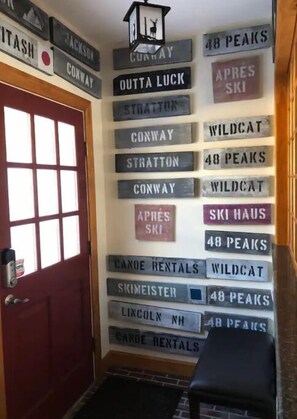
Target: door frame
(22, 80)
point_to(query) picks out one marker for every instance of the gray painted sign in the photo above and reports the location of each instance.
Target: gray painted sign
(163, 342)
(151, 265)
(153, 136)
(155, 162)
(237, 269)
(74, 73)
(155, 107)
(170, 53)
(68, 41)
(28, 15)
(152, 81)
(236, 40)
(157, 291)
(235, 321)
(155, 316)
(230, 158)
(236, 186)
(240, 128)
(156, 188)
(255, 299)
(237, 242)
(237, 214)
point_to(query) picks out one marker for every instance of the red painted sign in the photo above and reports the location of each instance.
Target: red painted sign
(155, 222)
(237, 214)
(236, 79)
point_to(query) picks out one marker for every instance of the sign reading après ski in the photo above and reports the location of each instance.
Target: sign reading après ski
(155, 222)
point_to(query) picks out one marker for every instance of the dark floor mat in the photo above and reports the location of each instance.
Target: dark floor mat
(120, 398)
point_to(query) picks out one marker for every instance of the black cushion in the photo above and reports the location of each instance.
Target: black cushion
(236, 366)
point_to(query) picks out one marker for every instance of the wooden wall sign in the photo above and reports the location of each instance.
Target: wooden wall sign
(153, 81)
(156, 107)
(155, 162)
(237, 269)
(237, 242)
(157, 291)
(28, 15)
(156, 188)
(68, 41)
(155, 222)
(236, 79)
(232, 158)
(239, 128)
(240, 186)
(155, 316)
(162, 342)
(74, 73)
(170, 53)
(153, 136)
(25, 48)
(237, 214)
(255, 299)
(151, 265)
(235, 321)
(236, 40)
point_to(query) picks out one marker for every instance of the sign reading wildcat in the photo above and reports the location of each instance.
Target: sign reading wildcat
(236, 186)
(237, 269)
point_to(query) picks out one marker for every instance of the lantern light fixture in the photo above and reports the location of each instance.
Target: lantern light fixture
(146, 26)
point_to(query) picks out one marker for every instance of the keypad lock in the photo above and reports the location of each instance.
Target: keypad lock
(8, 268)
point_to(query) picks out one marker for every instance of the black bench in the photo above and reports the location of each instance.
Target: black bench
(236, 369)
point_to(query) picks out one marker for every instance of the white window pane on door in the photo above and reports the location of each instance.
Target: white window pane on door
(23, 241)
(49, 243)
(67, 144)
(45, 140)
(20, 193)
(47, 192)
(71, 237)
(69, 190)
(17, 136)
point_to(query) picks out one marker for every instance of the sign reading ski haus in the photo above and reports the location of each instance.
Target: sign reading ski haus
(150, 265)
(156, 107)
(235, 321)
(155, 162)
(255, 299)
(239, 186)
(170, 53)
(236, 40)
(237, 269)
(156, 188)
(223, 158)
(240, 128)
(237, 214)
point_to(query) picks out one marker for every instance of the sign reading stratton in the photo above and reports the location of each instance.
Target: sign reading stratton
(151, 265)
(239, 186)
(71, 43)
(153, 136)
(155, 222)
(235, 321)
(237, 269)
(237, 214)
(237, 79)
(240, 128)
(255, 299)
(236, 40)
(153, 81)
(170, 53)
(223, 158)
(156, 188)
(155, 162)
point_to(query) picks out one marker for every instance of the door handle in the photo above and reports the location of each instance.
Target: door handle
(11, 299)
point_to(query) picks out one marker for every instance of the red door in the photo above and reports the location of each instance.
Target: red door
(47, 335)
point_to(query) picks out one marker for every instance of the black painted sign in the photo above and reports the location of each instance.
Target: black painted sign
(237, 269)
(163, 342)
(230, 158)
(236, 40)
(74, 73)
(153, 136)
(155, 162)
(156, 188)
(170, 53)
(156, 107)
(240, 186)
(237, 242)
(256, 299)
(153, 81)
(150, 265)
(28, 15)
(73, 44)
(235, 321)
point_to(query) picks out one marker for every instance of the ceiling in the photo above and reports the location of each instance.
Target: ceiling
(101, 21)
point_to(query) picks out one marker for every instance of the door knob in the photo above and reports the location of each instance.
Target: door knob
(11, 299)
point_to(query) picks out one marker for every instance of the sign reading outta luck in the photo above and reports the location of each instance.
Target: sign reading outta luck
(237, 214)
(155, 162)
(237, 79)
(155, 222)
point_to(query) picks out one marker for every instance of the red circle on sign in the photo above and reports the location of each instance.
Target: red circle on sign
(46, 59)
